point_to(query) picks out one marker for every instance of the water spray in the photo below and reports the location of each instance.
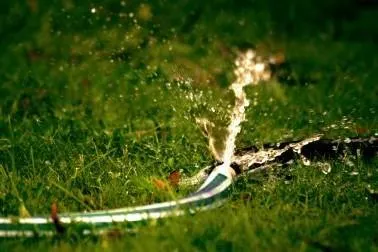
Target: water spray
(249, 71)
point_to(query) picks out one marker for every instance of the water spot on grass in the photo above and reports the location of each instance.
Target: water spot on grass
(306, 162)
(324, 167)
(353, 173)
(349, 163)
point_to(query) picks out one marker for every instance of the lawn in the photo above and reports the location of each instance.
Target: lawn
(99, 100)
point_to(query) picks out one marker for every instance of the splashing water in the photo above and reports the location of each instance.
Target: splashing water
(250, 70)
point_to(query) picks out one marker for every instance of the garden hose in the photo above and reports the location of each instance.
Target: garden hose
(214, 191)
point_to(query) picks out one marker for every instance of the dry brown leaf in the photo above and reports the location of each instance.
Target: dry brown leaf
(160, 184)
(174, 178)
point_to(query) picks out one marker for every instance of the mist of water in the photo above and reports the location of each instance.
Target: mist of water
(250, 70)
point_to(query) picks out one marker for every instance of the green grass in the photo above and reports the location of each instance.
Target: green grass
(94, 106)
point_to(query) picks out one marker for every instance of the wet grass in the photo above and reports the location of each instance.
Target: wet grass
(95, 106)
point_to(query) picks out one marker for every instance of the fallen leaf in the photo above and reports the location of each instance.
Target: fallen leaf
(54, 212)
(160, 184)
(174, 178)
(54, 216)
(361, 130)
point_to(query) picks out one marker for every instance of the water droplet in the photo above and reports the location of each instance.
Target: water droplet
(324, 167)
(305, 161)
(349, 163)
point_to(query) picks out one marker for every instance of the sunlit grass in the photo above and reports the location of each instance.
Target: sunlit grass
(95, 106)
